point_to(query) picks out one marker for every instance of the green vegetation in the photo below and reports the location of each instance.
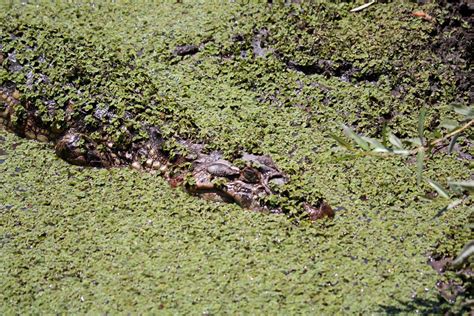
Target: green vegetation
(367, 145)
(276, 80)
(125, 241)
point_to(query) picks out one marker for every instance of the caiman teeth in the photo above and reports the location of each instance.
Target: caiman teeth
(136, 165)
(149, 163)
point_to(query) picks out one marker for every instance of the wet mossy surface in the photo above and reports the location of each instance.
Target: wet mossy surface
(267, 80)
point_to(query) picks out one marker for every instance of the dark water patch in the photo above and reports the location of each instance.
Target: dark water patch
(344, 71)
(454, 43)
(415, 306)
(3, 153)
(455, 284)
(184, 50)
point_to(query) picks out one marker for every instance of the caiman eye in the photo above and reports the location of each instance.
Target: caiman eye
(250, 175)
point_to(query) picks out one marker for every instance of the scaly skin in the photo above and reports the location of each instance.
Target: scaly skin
(209, 176)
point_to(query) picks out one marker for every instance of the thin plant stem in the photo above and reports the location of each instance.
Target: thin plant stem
(444, 138)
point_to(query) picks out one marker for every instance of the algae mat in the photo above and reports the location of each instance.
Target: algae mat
(80, 240)
(264, 79)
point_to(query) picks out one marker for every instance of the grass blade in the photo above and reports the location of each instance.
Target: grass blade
(421, 123)
(452, 143)
(441, 191)
(385, 133)
(419, 166)
(350, 133)
(451, 205)
(362, 7)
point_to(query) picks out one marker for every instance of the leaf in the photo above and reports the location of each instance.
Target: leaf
(341, 141)
(415, 141)
(402, 152)
(395, 141)
(467, 185)
(378, 147)
(466, 252)
(441, 191)
(449, 124)
(350, 133)
(452, 143)
(419, 166)
(381, 150)
(467, 111)
(421, 123)
(454, 204)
